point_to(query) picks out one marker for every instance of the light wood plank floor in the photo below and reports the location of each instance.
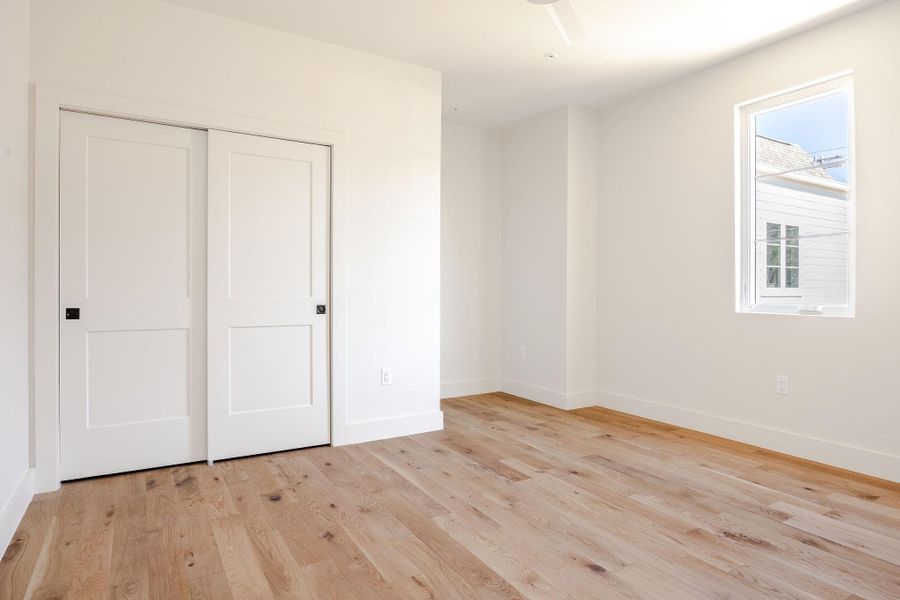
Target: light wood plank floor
(512, 500)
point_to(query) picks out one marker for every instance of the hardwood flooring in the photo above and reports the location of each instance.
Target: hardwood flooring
(512, 500)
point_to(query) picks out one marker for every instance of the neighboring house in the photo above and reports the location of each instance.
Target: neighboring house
(802, 220)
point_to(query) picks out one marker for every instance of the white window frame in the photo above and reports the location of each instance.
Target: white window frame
(745, 192)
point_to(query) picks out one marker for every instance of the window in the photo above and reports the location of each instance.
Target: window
(795, 231)
(782, 256)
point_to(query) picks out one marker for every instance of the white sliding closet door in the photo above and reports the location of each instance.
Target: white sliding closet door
(132, 265)
(268, 360)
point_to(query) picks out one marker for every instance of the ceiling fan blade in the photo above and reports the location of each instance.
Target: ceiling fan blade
(566, 20)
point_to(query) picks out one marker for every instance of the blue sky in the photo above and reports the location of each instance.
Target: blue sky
(821, 127)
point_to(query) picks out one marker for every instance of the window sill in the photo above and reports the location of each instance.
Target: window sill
(844, 312)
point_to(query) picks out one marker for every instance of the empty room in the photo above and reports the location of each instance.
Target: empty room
(449, 299)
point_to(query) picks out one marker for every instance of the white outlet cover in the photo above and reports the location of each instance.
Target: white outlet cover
(781, 384)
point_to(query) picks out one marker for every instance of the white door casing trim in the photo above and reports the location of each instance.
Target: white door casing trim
(49, 101)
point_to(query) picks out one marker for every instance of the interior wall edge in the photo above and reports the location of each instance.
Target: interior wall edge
(853, 458)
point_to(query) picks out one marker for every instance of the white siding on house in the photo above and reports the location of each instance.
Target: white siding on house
(824, 261)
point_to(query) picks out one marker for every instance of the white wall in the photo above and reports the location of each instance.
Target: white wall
(390, 114)
(581, 251)
(549, 248)
(15, 478)
(471, 192)
(672, 347)
(535, 180)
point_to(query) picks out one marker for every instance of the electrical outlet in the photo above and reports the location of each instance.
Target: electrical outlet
(523, 353)
(387, 377)
(781, 384)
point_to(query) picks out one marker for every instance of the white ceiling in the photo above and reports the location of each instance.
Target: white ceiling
(492, 51)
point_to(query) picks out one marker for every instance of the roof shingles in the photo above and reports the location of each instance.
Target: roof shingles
(778, 156)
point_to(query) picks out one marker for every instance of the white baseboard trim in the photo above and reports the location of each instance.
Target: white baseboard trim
(561, 400)
(853, 458)
(15, 509)
(535, 393)
(581, 399)
(382, 429)
(455, 389)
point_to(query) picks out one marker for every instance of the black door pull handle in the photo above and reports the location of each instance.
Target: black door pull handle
(73, 314)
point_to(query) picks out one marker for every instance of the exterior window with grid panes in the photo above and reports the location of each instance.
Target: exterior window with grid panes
(796, 203)
(782, 256)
